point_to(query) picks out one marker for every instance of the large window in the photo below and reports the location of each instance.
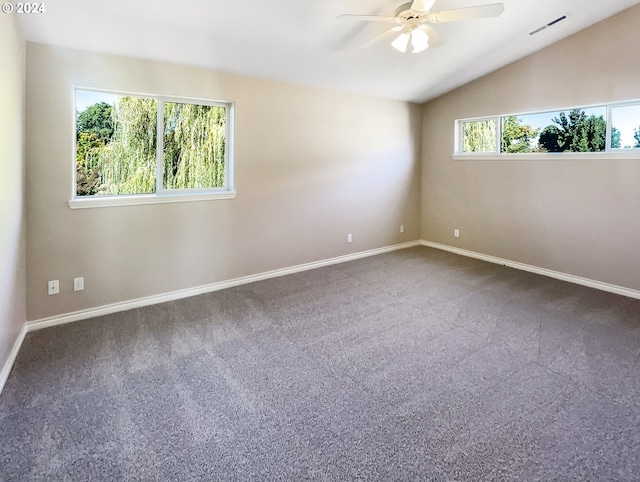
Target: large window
(131, 148)
(613, 128)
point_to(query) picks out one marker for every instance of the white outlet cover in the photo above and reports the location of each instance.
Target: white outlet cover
(78, 284)
(54, 287)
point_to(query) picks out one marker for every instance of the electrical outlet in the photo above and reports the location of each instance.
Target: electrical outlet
(402, 228)
(456, 233)
(349, 238)
(78, 284)
(54, 287)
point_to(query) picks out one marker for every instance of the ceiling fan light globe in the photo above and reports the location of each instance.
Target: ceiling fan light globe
(419, 40)
(402, 42)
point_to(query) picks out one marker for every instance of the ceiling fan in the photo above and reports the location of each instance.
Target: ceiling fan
(412, 19)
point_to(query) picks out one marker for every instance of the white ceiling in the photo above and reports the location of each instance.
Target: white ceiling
(302, 41)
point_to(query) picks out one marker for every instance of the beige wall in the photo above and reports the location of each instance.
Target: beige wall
(311, 166)
(12, 211)
(580, 217)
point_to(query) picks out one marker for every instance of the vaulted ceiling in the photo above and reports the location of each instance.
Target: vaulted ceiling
(303, 41)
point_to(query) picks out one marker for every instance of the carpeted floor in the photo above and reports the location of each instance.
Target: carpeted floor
(413, 365)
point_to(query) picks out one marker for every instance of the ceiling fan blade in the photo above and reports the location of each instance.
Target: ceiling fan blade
(481, 11)
(422, 5)
(435, 40)
(382, 36)
(367, 18)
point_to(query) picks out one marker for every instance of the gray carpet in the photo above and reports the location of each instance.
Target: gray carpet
(412, 365)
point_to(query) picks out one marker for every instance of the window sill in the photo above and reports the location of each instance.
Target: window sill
(110, 201)
(555, 156)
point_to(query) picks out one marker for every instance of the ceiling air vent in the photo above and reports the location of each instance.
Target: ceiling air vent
(550, 24)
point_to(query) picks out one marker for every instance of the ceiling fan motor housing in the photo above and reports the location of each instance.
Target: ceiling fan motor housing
(404, 11)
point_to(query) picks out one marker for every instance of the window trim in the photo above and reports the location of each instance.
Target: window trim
(162, 195)
(608, 153)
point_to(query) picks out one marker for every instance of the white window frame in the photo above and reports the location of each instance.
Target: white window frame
(459, 130)
(608, 153)
(161, 195)
(610, 108)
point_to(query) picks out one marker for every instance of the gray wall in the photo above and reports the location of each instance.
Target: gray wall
(580, 216)
(311, 166)
(12, 206)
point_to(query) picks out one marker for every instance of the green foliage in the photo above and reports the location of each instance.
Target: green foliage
(592, 136)
(615, 138)
(479, 136)
(517, 137)
(96, 119)
(123, 160)
(550, 140)
(88, 148)
(636, 136)
(576, 132)
(194, 146)
(128, 162)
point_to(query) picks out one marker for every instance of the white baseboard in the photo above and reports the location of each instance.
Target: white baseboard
(185, 293)
(8, 364)
(620, 290)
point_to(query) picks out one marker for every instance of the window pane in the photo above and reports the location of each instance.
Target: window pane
(115, 144)
(625, 127)
(518, 135)
(479, 136)
(579, 130)
(194, 146)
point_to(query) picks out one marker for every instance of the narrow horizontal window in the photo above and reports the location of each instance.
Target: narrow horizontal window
(138, 147)
(596, 129)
